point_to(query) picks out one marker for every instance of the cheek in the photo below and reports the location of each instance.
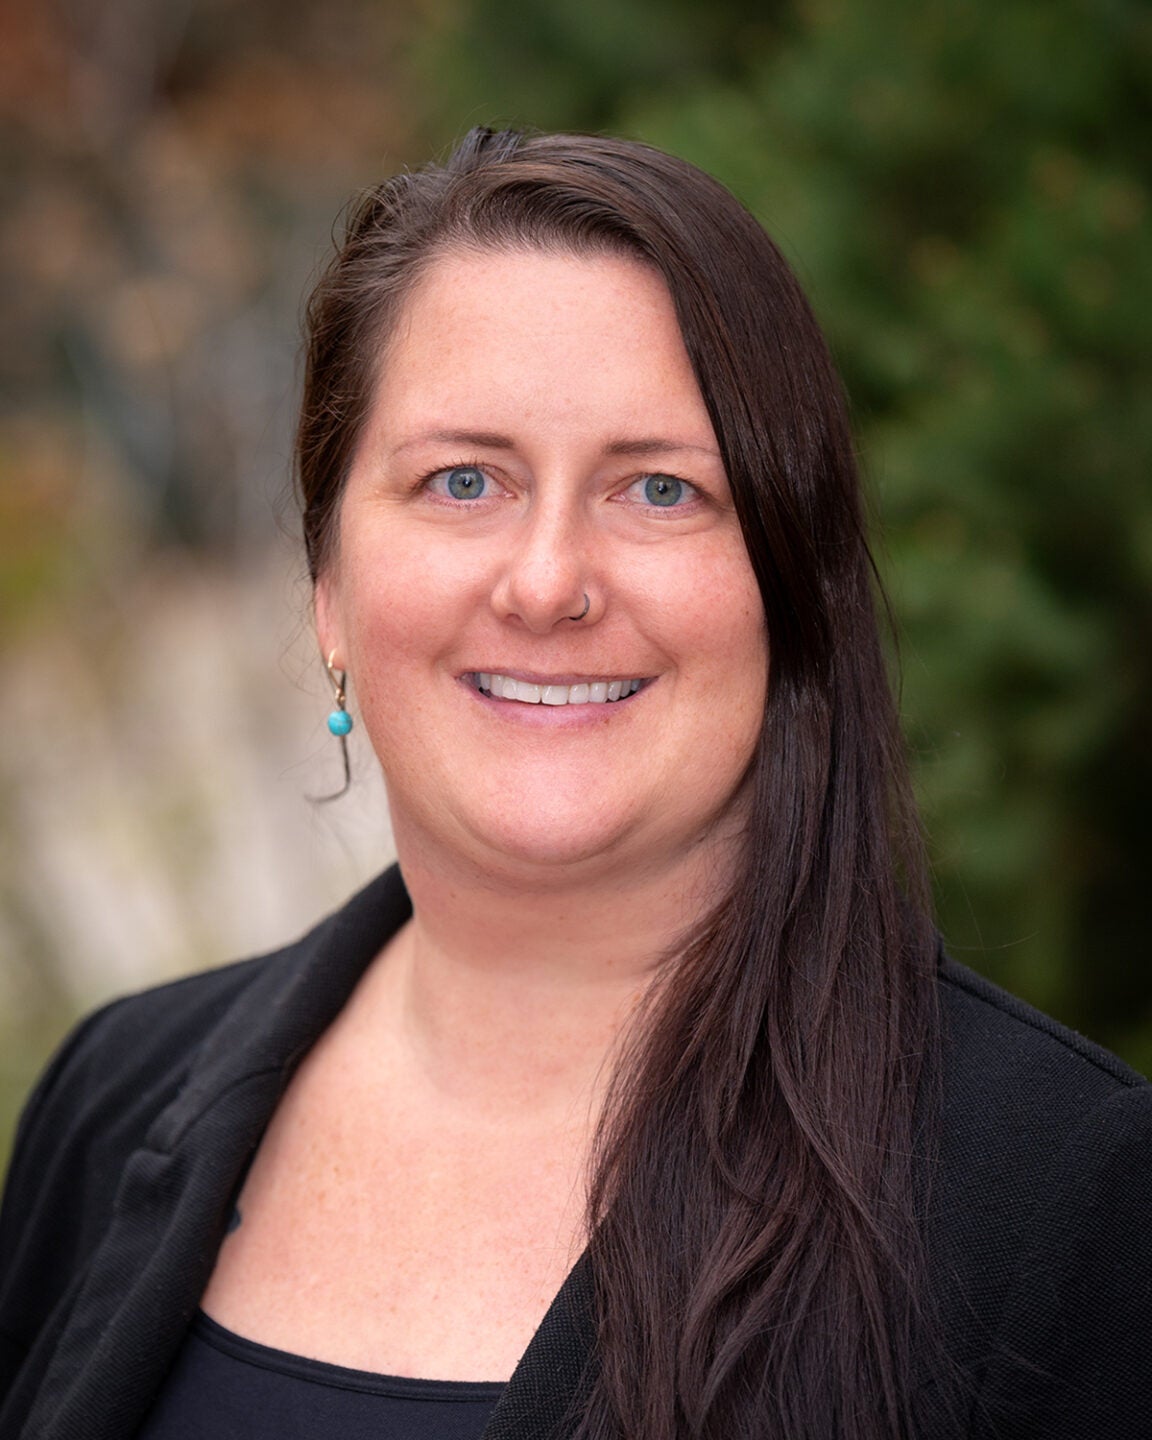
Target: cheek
(398, 599)
(711, 608)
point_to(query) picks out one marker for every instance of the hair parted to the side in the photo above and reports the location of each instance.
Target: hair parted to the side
(754, 1244)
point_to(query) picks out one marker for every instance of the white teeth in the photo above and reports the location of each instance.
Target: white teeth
(594, 692)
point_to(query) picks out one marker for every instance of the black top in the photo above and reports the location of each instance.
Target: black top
(1038, 1223)
(228, 1388)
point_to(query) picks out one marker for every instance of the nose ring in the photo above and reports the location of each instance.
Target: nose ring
(587, 607)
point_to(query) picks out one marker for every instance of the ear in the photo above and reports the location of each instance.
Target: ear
(329, 631)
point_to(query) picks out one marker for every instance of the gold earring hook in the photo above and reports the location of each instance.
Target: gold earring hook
(337, 681)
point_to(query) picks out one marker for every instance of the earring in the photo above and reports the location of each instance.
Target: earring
(339, 725)
(339, 722)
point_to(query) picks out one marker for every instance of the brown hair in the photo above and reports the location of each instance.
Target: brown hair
(753, 1205)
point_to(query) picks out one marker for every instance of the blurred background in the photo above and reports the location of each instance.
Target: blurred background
(963, 187)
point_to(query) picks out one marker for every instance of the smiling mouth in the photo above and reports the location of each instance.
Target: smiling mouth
(586, 692)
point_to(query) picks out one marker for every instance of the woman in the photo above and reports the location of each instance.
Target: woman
(644, 1089)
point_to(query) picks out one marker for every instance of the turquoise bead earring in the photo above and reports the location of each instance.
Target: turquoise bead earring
(339, 725)
(339, 722)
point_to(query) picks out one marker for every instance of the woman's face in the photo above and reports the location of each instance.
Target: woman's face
(538, 437)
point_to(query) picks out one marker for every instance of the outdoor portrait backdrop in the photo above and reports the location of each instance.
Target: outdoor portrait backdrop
(963, 189)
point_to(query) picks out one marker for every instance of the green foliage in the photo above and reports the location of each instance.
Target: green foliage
(963, 189)
(554, 65)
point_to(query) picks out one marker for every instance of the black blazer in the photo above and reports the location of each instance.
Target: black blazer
(134, 1143)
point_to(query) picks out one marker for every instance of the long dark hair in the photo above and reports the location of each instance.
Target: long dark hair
(753, 1201)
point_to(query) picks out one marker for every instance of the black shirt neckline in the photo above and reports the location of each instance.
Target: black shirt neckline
(339, 1377)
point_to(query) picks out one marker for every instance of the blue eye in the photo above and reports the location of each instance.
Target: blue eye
(665, 490)
(465, 482)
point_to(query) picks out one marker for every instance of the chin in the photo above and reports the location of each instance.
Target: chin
(525, 843)
(549, 849)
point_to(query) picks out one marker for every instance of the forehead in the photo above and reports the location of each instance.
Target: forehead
(460, 283)
(542, 334)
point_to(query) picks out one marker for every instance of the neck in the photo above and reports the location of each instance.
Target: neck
(514, 995)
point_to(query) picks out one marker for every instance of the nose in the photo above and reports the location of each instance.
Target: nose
(545, 578)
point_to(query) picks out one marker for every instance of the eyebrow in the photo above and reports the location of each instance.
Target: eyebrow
(658, 446)
(492, 440)
(482, 439)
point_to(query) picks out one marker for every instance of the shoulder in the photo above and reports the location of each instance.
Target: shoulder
(137, 1045)
(97, 1099)
(137, 1040)
(1019, 1087)
(1038, 1215)
(1011, 1034)
(122, 1065)
(1021, 1095)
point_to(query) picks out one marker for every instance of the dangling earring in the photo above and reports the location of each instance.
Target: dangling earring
(339, 722)
(340, 725)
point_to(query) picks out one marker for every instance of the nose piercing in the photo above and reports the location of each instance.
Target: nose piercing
(587, 607)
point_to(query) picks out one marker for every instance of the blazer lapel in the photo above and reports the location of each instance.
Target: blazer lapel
(541, 1400)
(145, 1278)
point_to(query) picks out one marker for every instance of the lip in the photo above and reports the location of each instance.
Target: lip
(538, 677)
